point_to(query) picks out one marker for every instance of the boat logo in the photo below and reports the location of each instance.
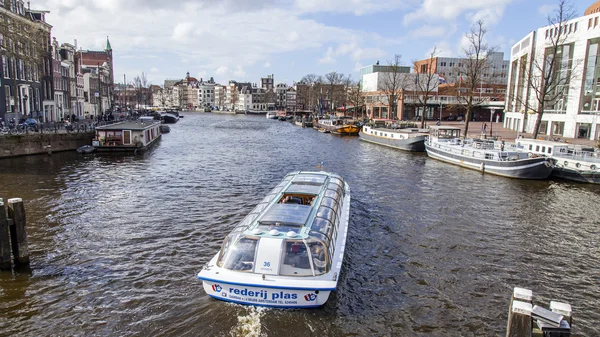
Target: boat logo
(310, 297)
(216, 288)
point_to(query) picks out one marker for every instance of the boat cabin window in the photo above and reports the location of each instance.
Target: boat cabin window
(247, 221)
(331, 203)
(332, 194)
(336, 188)
(323, 226)
(295, 259)
(320, 257)
(238, 253)
(445, 133)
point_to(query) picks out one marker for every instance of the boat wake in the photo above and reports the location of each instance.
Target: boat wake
(249, 325)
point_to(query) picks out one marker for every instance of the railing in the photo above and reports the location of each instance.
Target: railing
(50, 127)
(579, 155)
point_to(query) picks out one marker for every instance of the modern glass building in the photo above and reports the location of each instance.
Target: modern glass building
(573, 108)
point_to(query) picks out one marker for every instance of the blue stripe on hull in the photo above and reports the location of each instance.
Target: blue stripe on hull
(266, 305)
(263, 286)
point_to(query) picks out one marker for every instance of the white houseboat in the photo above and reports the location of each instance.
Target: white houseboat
(271, 114)
(444, 143)
(127, 136)
(288, 251)
(573, 162)
(408, 139)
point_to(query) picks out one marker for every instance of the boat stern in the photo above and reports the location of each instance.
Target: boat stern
(264, 296)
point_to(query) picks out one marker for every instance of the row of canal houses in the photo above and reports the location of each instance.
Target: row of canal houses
(45, 79)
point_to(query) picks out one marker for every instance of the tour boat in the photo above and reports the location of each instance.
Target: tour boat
(130, 136)
(338, 126)
(271, 114)
(494, 157)
(573, 162)
(409, 139)
(288, 251)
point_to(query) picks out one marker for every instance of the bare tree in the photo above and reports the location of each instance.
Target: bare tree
(333, 83)
(356, 98)
(426, 82)
(552, 72)
(308, 94)
(476, 66)
(392, 84)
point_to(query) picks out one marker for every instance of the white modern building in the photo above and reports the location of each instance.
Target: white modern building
(576, 113)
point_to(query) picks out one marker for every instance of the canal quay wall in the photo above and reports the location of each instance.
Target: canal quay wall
(42, 143)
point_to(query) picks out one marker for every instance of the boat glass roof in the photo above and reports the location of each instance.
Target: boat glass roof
(312, 179)
(303, 189)
(287, 214)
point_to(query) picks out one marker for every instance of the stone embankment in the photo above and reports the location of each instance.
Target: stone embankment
(42, 143)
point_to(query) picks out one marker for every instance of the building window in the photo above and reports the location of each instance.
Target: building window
(8, 93)
(590, 100)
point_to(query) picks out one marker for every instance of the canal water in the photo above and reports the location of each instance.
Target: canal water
(433, 249)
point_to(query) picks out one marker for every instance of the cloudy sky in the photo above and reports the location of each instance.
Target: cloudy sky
(247, 39)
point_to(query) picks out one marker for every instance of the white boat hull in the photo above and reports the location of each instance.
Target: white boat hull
(262, 296)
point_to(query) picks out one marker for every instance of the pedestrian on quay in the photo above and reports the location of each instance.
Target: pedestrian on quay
(484, 127)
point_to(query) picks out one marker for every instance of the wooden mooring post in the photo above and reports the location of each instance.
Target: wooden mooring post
(4, 238)
(13, 233)
(528, 320)
(519, 313)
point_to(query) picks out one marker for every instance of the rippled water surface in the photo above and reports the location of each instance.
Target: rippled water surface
(433, 250)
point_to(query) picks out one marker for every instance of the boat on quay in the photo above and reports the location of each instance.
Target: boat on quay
(289, 250)
(488, 156)
(572, 162)
(127, 136)
(407, 139)
(338, 126)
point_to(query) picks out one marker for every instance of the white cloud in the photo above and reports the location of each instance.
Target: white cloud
(449, 10)
(267, 65)
(329, 57)
(253, 31)
(153, 70)
(351, 49)
(239, 71)
(357, 7)
(222, 70)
